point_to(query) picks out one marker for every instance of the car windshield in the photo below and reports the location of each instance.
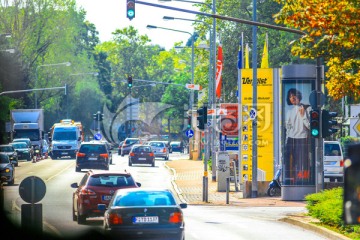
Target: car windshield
(111, 180)
(19, 145)
(156, 144)
(131, 141)
(64, 135)
(145, 198)
(86, 148)
(6, 149)
(141, 149)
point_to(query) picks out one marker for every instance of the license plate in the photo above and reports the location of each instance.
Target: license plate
(92, 158)
(149, 219)
(142, 158)
(106, 197)
(63, 153)
(326, 179)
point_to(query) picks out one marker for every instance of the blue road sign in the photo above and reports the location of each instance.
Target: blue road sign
(97, 136)
(189, 133)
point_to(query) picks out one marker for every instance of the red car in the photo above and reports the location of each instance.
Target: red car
(97, 187)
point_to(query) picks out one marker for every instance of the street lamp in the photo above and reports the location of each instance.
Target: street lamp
(46, 65)
(192, 56)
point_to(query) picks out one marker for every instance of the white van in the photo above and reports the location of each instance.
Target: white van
(333, 162)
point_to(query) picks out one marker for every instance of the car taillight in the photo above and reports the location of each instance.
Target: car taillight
(86, 191)
(151, 154)
(132, 154)
(79, 154)
(176, 217)
(115, 219)
(164, 150)
(341, 163)
(104, 155)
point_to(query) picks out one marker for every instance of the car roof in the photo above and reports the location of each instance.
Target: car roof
(6, 145)
(21, 139)
(108, 172)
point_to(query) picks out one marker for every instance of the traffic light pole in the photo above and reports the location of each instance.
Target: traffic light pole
(319, 164)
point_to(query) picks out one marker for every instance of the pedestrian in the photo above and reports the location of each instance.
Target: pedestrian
(297, 162)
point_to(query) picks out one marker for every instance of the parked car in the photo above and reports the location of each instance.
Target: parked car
(119, 148)
(144, 214)
(160, 149)
(27, 141)
(141, 154)
(333, 162)
(127, 145)
(177, 146)
(97, 187)
(22, 149)
(9, 150)
(92, 155)
(7, 169)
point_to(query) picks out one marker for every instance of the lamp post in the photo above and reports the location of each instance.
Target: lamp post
(46, 65)
(192, 56)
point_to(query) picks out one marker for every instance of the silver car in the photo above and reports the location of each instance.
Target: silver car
(160, 149)
(7, 169)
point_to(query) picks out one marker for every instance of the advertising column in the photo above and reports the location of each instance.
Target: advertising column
(298, 165)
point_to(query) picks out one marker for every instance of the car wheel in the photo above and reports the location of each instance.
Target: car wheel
(73, 214)
(81, 219)
(78, 169)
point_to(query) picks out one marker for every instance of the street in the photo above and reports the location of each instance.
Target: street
(202, 222)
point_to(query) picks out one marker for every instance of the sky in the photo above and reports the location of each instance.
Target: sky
(109, 15)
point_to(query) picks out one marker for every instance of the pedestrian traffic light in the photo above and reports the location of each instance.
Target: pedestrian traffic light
(201, 118)
(95, 116)
(129, 79)
(189, 122)
(130, 9)
(315, 123)
(328, 123)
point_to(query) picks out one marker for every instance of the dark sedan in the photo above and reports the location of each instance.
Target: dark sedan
(144, 213)
(23, 150)
(7, 169)
(141, 154)
(9, 150)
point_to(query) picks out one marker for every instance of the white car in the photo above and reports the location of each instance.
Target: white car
(160, 149)
(333, 162)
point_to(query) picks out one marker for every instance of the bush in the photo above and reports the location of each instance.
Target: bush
(327, 207)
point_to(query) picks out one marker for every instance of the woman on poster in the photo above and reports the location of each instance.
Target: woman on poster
(297, 161)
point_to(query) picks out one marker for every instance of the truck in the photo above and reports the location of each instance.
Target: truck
(27, 123)
(65, 138)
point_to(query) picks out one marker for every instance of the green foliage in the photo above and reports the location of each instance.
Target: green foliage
(327, 207)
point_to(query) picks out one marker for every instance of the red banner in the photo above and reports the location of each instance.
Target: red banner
(219, 68)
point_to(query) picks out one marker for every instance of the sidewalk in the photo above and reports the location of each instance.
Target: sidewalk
(188, 182)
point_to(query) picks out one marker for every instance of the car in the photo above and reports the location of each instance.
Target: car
(167, 143)
(22, 149)
(9, 150)
(333, 162)
(160, 149)
(119, 148)
(27, 141)
(7, 169)
(141, 154)
(97, 187)
(144, 213)
(92, 155)
(127, 145)
(177, 146)
(109, 148)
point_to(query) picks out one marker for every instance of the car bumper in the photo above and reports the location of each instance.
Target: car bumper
(159, 233)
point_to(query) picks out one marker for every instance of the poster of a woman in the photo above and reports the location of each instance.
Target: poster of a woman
(297, 134)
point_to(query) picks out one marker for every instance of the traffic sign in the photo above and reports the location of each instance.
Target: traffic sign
(97, 136)
(193, 86)
(252, 113)
(357, 127)
(190, 133)
(32, 189)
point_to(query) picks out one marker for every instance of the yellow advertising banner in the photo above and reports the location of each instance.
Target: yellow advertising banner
(263, 114)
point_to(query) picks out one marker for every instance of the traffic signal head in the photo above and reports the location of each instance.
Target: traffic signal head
(201, 118)
(129, 79)
(315, 123)
(328, 123)
(130, 9)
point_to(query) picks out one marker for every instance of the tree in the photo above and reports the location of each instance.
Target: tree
(331, 31)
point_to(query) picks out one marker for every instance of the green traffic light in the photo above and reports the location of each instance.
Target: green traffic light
(315, 132)
(130, 13)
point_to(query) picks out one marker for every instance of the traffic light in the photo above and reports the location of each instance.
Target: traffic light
(328, 122)
(189, 122)
(315, 123)
(98, 116)
(201, 118)
(351, 201)
(130, 9)
(95, 116)
(129, 79)
(101, 116)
